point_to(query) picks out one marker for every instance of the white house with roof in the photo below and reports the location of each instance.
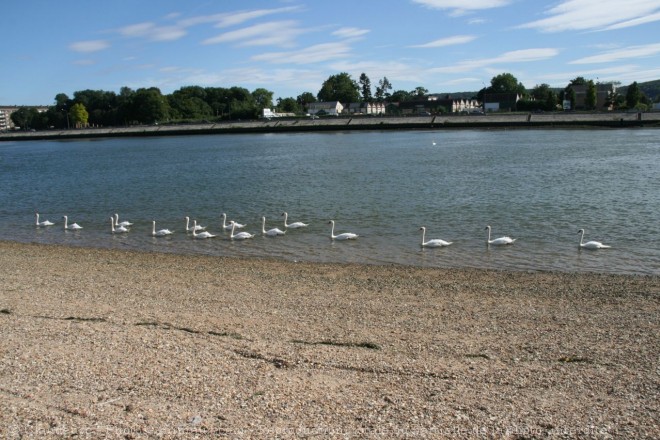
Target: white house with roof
(333, 108)
(366, 108)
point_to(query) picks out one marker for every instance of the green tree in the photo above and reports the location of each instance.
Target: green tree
(189, 103)
(340, 88)
(288, 105)
(633, 95)
(577, 81)
(505, 83)
(242, 104)
(149, 106)
(365, 87)
(23, 117)
(383, 90)
(101, 105)
(78, 115)
(305, 98)
(262, 98)
(419, 92)
(545, 97)
(218, 99)
(591, 97)
(400, 96)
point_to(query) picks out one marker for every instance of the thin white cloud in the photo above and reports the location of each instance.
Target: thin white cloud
(167, 33)
(449, 41)
(89, 46)
(621, 54)
(583, 15)
(477, 21)
(276, 33)
(625, 73)
(86, 62)
(460, 7)
(137, 30)
(234, 18)
(516, 56)
(312, 54)
(350, 32)
(635, 22)
(153, 32)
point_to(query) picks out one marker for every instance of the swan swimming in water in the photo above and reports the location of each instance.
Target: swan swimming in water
(70, 227)
(591, 244)
(124, 223)
(231, 223)
(200, 235)
(159, 233)
(191, 228)
(499, 241)
(432, 243)
(271, 232)
(43, 223)
(240, 235)
(294, 225)
(117, 230)
(344, 236)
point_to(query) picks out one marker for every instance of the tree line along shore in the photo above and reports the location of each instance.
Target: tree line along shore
(331, 123)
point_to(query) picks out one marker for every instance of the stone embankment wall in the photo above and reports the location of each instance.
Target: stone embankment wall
(274, 125)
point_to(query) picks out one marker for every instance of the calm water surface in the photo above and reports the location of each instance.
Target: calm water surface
(539, 186)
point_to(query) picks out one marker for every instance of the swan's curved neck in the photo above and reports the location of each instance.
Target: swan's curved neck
(286, 216)
(581, 237)
(263, 225)
(224, 221)
(332, 230)
(112, 224)
(423, 235)
(153, 228)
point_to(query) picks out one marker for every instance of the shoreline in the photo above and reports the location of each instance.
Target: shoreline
(104, 342)
(357, 123)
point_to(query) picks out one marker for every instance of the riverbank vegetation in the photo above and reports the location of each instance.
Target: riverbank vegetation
(99, 108)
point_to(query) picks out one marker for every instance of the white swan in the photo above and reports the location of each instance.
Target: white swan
(117, 230)
(160, 232)
(591, 244)
(231, 223)
(271, 232)
(344, 236)
(191, 228)
(499, 241)
(433, 243)
(240, 235)
(124, 223)
(43, 223)
(293, 225)
(203, 234)
(72, 227)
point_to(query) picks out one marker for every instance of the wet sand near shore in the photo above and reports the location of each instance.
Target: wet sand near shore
(100, 343)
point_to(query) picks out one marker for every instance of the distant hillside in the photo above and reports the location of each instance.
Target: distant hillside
(650, 88)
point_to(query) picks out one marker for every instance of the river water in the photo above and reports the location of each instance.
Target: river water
(538, 186)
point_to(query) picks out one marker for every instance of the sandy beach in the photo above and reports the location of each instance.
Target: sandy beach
(111, 344)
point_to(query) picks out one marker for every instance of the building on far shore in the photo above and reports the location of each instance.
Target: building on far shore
(434, 104)
(603, 93)
(5, 115)
(333, 108)
(496, 102)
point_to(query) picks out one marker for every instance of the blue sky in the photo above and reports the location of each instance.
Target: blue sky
(292, 46)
